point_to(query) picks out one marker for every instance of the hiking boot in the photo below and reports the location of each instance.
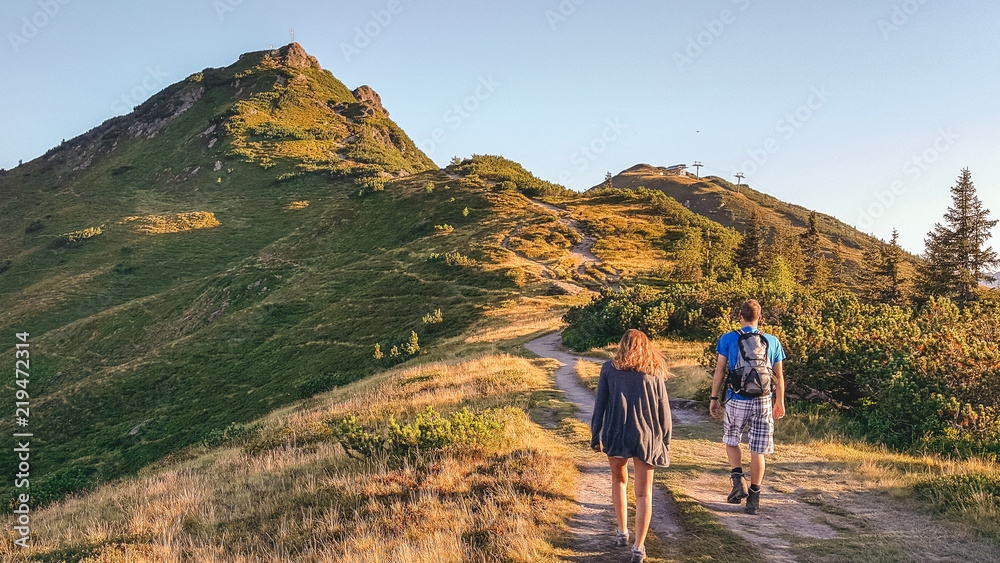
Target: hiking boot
(739, 492)
(753, 502)
(621, 539)
(638, 555)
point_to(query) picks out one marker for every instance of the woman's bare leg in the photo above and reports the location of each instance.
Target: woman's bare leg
(643, 499)
(619, 482)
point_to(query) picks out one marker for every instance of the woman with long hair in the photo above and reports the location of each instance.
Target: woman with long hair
(632, 421)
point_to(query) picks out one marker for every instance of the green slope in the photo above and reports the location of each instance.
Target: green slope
(142, 343)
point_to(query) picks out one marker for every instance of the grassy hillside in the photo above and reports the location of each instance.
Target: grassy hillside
(717, 199)
(173, 281)
(285, 489)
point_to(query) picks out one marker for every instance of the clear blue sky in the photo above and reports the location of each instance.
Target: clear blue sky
(863, 109)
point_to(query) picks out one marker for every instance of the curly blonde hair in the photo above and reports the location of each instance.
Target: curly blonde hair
(637, 353)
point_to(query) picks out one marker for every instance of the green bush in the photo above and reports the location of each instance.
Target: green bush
(510, 175)
(69, 240)
(954, 491)
(232, 433)
(370, 184)
(429, 432)
(655, 312)
(452, 259)
(278, 132)
(926, 378)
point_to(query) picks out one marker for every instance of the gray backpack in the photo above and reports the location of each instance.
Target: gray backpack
(751, 376)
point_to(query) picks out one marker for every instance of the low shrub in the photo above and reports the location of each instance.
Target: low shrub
(429, 432)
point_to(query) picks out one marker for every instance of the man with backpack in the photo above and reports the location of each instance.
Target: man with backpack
(754, 363)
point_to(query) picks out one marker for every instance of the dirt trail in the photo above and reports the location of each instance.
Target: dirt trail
(594, 525)
(811, 508)
(547, 272)
(581, 251)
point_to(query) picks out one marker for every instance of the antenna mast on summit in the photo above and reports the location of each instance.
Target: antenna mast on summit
(697, 168)
(291, 32)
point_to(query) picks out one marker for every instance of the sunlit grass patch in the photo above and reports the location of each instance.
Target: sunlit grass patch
(297, 205)
(172, 222)
(588, 373)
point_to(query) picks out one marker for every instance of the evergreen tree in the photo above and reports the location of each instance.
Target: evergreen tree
(786, 244)
(881, 275)
(809, 242)
(956, 260)
(869, 282)
(750, 251)
(838, 270)
(607, 181)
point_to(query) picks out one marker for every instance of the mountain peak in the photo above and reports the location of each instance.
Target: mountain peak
(292, 55)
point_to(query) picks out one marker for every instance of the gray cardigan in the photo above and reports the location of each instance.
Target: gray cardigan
(632, 416)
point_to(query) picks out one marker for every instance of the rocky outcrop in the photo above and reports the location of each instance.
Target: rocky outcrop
(366, 95)
(295, 56)
(292, 55)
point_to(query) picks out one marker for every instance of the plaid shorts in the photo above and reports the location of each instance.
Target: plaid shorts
(755, 413)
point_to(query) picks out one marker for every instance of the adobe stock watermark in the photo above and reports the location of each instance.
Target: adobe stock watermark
(913, 168)
(698, 43)
(900, 16)
(365, 34)
(588, 153)
(151, 83)
(787, 126)
(31, 25)
(563, 10)
(456, 115)
(223, 7)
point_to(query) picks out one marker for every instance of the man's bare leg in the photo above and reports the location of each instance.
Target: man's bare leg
(735, 456)
(756, 468)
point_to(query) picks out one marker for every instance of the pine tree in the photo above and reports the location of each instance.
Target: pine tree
(607, 181)
(809, 242)
(896, 291)
(956, 260)
(750, 252)
(786, 244)
(838, 270)
(869, 282)
(881, 276)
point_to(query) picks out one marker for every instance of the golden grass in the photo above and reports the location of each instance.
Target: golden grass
(522, 317)
(588, 373)
(172, 222)
(630, 238)
(296, 205)
(292, 494)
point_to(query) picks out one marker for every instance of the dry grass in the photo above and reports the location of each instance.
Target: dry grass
(296, 205)
(925, 478)
(173, 222)
(292, 494)
(519, 319)
(630, 238)
(588, 372)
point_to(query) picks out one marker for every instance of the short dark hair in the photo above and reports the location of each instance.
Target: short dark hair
(750, 311)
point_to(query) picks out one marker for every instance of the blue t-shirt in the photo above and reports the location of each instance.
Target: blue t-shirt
(727, 348)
